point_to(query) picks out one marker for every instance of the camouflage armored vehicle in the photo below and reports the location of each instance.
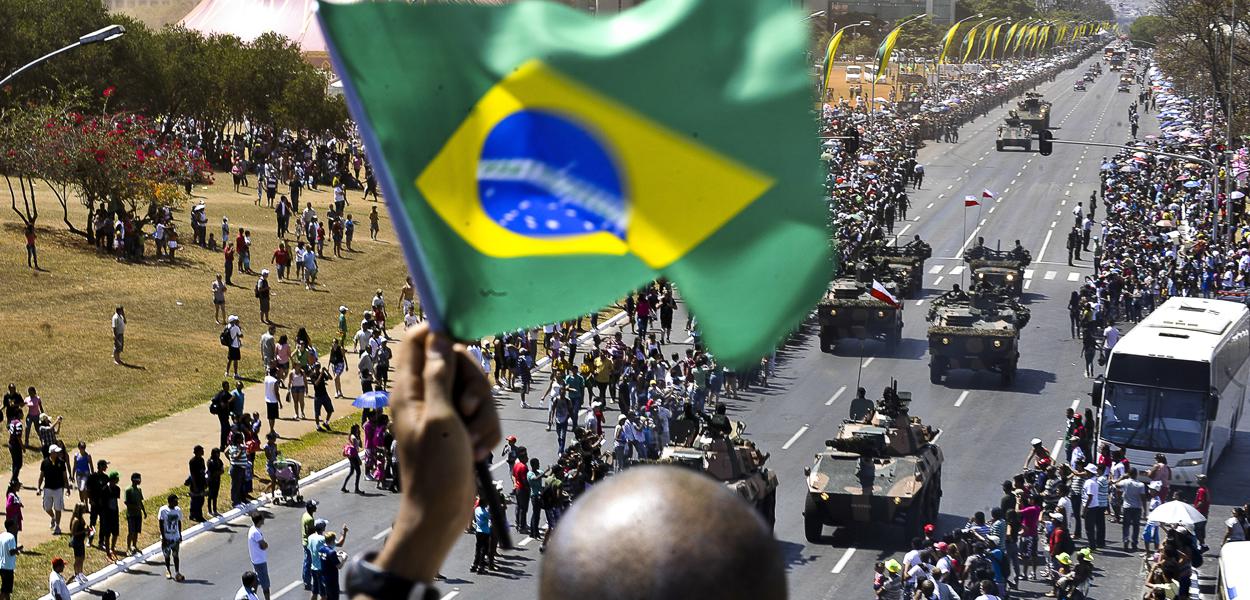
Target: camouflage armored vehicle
(906, 264)
(975, 331)
(735, 461)
(849, 310)
(883, 469)
(998, 268)
(1034, 111)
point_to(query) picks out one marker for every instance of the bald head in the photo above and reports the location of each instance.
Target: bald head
(660, 532)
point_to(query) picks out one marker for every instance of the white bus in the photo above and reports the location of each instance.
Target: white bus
(1175, 385)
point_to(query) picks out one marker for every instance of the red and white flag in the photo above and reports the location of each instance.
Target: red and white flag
(879, 292)
(987, 194)
(971, 201)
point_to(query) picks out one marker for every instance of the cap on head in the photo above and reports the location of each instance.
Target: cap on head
(893, 566)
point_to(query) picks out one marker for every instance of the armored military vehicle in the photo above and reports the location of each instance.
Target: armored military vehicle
(735, 461)
(998, 268)
(849, 310)
(975, 331)
(906, 264)
(1034, 111)
(1020, 136)
(884, 469)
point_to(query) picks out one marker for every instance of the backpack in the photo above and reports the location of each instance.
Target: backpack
(225, 336)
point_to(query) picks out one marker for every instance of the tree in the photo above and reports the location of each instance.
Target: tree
(1148, 28)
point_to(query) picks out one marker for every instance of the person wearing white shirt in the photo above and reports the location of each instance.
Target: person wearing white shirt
(258, 553)
(1078, 457)
(272, 397)
(248, 590)
(119, 334)
(234, 340)
(57, 589)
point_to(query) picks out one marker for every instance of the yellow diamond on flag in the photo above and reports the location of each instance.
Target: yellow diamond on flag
(545, 166)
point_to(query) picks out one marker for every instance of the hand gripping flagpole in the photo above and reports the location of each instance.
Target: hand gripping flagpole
(414, 255)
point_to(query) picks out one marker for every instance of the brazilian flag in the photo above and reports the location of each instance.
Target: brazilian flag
(540, 162)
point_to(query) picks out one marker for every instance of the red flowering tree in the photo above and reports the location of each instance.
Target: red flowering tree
(111, 162)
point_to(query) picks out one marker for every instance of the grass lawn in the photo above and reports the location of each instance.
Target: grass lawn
(315, 451)
(55, 323)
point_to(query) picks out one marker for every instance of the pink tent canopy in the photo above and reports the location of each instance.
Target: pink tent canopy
(248, 19)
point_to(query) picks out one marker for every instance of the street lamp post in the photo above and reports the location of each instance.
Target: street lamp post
(106, 34)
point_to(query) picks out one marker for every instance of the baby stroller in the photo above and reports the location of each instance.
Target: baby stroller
(286, 473)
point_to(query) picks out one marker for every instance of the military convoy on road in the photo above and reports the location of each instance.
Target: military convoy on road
(1034, 112)
(998, 268)
(979, 331)
(849, 310)
(733, 460)
(906, 265)
(883, 468)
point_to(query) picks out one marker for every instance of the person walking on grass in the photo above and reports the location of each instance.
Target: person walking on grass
(32, 257)
(373, 224)
(219, 299)
(232, 339)
(9, 549)
(119, 334)
(170, 517)
(263, 292)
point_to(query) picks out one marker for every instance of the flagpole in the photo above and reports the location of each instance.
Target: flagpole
(414, 256)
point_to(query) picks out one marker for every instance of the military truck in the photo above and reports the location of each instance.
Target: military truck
(1020, 136)
(733, 460)
(978, 331)
(906, 264)
(1034, 112)
(849, 310)
(884, 469)
(999, 268)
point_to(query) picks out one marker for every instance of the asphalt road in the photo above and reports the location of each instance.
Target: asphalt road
(985, 428)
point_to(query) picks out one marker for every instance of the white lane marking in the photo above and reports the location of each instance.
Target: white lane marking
(966, 171)
(381, 534)
(935, 269)
(1078, 167)
(1024, 166)
(962, 396)
(940, 196)
(935, 438)
(525, 542)
(930, 205)
(919, 302)
(450, 595)
(1063, 203)
(957, 269)
(1013, 182)
(983, 222)
(1070, 184)
(1046, 242)
(1028, 283)
(1019, 173)
(1074, 276)
(1059, 213)
(835, 395)
(288, 588)
(498, 464)
(1028, 273)
(1067, 193)
(937, 282)
(1076, 403)
(904, 230)
(1050, 275)
(869, 361)
(1000, 199)
(971, 236)
(794, 438)
(992, 209)
(1058, 445)
(846, 558)
(950, 186)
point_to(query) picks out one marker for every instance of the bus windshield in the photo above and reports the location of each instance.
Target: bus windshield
(1153, 419)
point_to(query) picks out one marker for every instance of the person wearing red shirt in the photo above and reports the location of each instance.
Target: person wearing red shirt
(1202, 502)
(521, 489)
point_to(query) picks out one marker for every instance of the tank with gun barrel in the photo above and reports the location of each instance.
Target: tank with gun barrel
(979, 331)
(882, 467)
(850, 310)
(1034, 111)
(729, 458)
(906, 262)
(999, 268)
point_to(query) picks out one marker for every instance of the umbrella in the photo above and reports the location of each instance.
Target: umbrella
(375, 400)
(1238, 195)
(1191, 184)
(1164, 223)
(1175, 512)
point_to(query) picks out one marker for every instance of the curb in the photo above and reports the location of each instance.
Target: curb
(123, 566)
